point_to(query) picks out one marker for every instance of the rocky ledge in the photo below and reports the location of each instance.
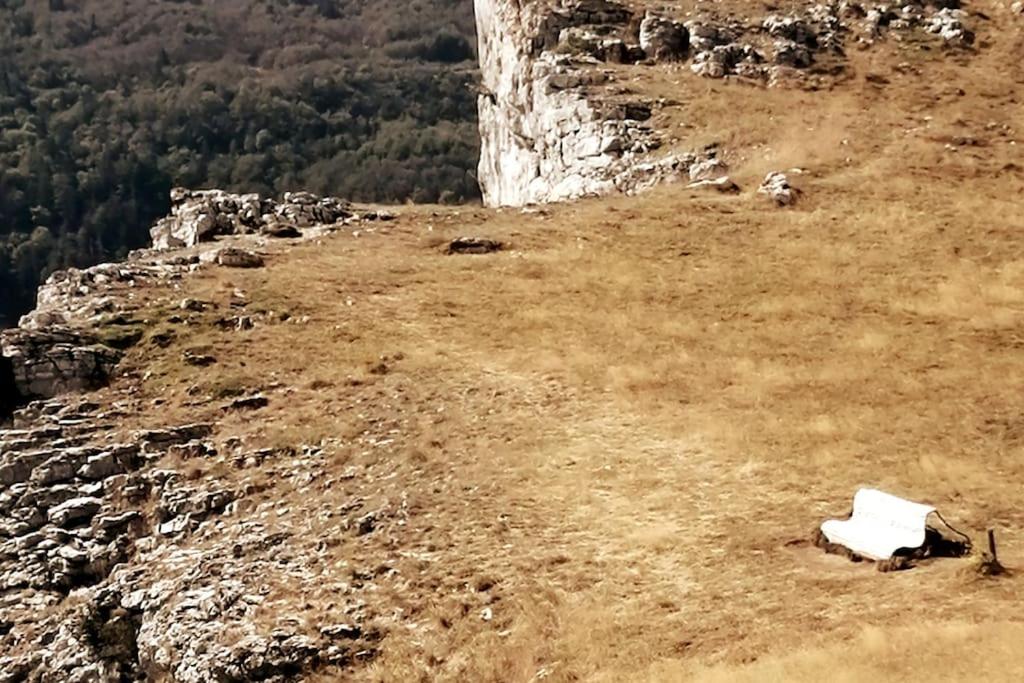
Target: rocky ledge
(105, 569)
(203, 215)
(85, 319)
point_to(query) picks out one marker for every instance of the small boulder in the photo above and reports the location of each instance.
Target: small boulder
(777, 188)
(723, 184)
(193, 305)
(790, 28)
(233, 257)
(949, 24)
(281, 231)
(708, 169)
(663, 39)
(74, 511)
(474, 245)
(379, 215)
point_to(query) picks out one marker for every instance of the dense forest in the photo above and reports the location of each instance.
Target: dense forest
(107, 104)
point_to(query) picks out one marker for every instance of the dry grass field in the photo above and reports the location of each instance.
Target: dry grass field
(600, 453)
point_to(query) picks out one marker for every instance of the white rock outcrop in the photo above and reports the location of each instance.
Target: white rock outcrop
(544, 136)
(555, 126)
(777, 188)
(663, 39)
(202, 215)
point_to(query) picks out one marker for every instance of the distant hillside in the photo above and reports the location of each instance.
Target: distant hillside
(104, 106)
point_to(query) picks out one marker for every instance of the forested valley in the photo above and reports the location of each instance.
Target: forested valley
(107, 104)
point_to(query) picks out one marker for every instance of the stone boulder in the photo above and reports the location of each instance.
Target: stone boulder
(723, 184)
(706, 35)
(777, 188)
(949, 25)
(44, 363)
(233, 257)
(708, 169)
(726, 60)
(473, 245)
(663, 39)
(793, 29)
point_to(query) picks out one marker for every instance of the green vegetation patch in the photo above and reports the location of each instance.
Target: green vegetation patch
(104, 106)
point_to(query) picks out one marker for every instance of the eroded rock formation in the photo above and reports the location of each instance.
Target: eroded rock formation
(73, 340)
(96, 582)
(104, 573)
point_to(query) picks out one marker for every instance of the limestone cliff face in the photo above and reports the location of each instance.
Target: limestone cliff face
(547, 134)
(505, 63)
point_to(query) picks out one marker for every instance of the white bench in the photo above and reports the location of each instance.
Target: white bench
(880, 525)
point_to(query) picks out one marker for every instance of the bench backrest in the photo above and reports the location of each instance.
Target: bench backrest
(886, 510)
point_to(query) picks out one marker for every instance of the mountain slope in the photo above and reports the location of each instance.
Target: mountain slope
(599, 453)
(104, 106)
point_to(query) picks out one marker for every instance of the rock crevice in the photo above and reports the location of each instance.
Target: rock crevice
(10, 397)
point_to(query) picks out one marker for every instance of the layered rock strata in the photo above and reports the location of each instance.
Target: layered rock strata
(73, 340)
(104, 573)
(113, 560)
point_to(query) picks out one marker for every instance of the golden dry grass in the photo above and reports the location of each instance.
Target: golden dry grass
(615, 435)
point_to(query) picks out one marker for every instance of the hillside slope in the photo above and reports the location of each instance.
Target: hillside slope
(597, 454)
(105, 106)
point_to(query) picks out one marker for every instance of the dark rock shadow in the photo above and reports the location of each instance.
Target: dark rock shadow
(10, 397)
